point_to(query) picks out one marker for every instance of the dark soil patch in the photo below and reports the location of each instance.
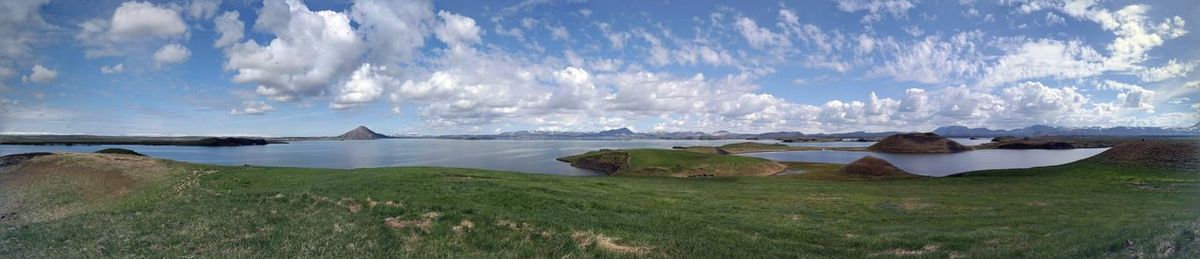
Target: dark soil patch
(15, 159)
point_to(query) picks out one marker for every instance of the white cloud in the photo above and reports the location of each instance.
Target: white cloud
(1130, 96)
(130, 22)
(457, 31)
(144, 19)
(558, 32)
(171, 54)
(759, 37)
(23, 28)
(40, 75)
(365, 85)
(394, 30)
(115, 69)
(231, 29)
(252, 107)
(1053, 19)
(1045, 58)
(933, 60)
(615, 39)
(1172, 69)
(203, 9)
(876, 9)
(310, 50)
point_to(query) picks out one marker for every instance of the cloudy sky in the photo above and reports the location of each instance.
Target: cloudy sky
(292, 67)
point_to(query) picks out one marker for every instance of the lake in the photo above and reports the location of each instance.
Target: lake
(537, 156)
(534, 156)
(944, 164)
(965, 141)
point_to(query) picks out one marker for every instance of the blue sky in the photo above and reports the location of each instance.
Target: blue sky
(284, 68)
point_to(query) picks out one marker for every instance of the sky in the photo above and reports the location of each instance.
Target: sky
(319, 68)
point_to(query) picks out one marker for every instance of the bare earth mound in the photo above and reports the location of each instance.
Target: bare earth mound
(917, 143)
(873, 168)
(1152, 154)
(54, 186)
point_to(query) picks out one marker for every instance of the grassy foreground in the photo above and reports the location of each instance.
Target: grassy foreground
(1075, 210)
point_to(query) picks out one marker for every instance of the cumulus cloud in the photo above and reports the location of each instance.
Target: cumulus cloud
(393, 30)
(456, 30)
(760, 37)
(114, 69)
(310, 49)
(132, 21)
(171, 54)
(22, 27)
(1130, 96)
(365, 85)
(251, 107)
(203, 9)
(1173, 69)
(1045, 58)
(40, 75)
(230, 27)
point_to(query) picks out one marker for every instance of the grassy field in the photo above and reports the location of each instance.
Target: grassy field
(678, 163)
(170, 209)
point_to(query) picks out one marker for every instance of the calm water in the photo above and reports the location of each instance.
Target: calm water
(944, 164)
(965, 141)
(509, 155)
(538, 156)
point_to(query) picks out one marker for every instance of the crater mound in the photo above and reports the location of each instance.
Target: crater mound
(917, 143)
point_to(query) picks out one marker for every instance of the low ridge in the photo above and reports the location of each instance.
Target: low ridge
(1152, 154)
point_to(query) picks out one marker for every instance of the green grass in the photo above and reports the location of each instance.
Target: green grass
(662, 162)
(1077, 210)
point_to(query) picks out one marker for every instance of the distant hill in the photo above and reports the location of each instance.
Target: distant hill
(362, 132)
(1043, 130)
(616, 132)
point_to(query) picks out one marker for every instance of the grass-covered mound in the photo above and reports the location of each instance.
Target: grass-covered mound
(1153, 154)
(676, 163)
(917, 143)
(61, 185)
(870, 167)
(119, 151)
(1080, 210)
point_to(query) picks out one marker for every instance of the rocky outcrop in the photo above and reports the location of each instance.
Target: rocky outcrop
(917, 143)
(607, 161)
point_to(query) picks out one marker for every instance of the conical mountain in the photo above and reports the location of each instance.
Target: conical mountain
(362, 132)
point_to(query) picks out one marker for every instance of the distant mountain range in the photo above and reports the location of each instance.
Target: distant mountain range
(948, 131)
(1042, 130)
